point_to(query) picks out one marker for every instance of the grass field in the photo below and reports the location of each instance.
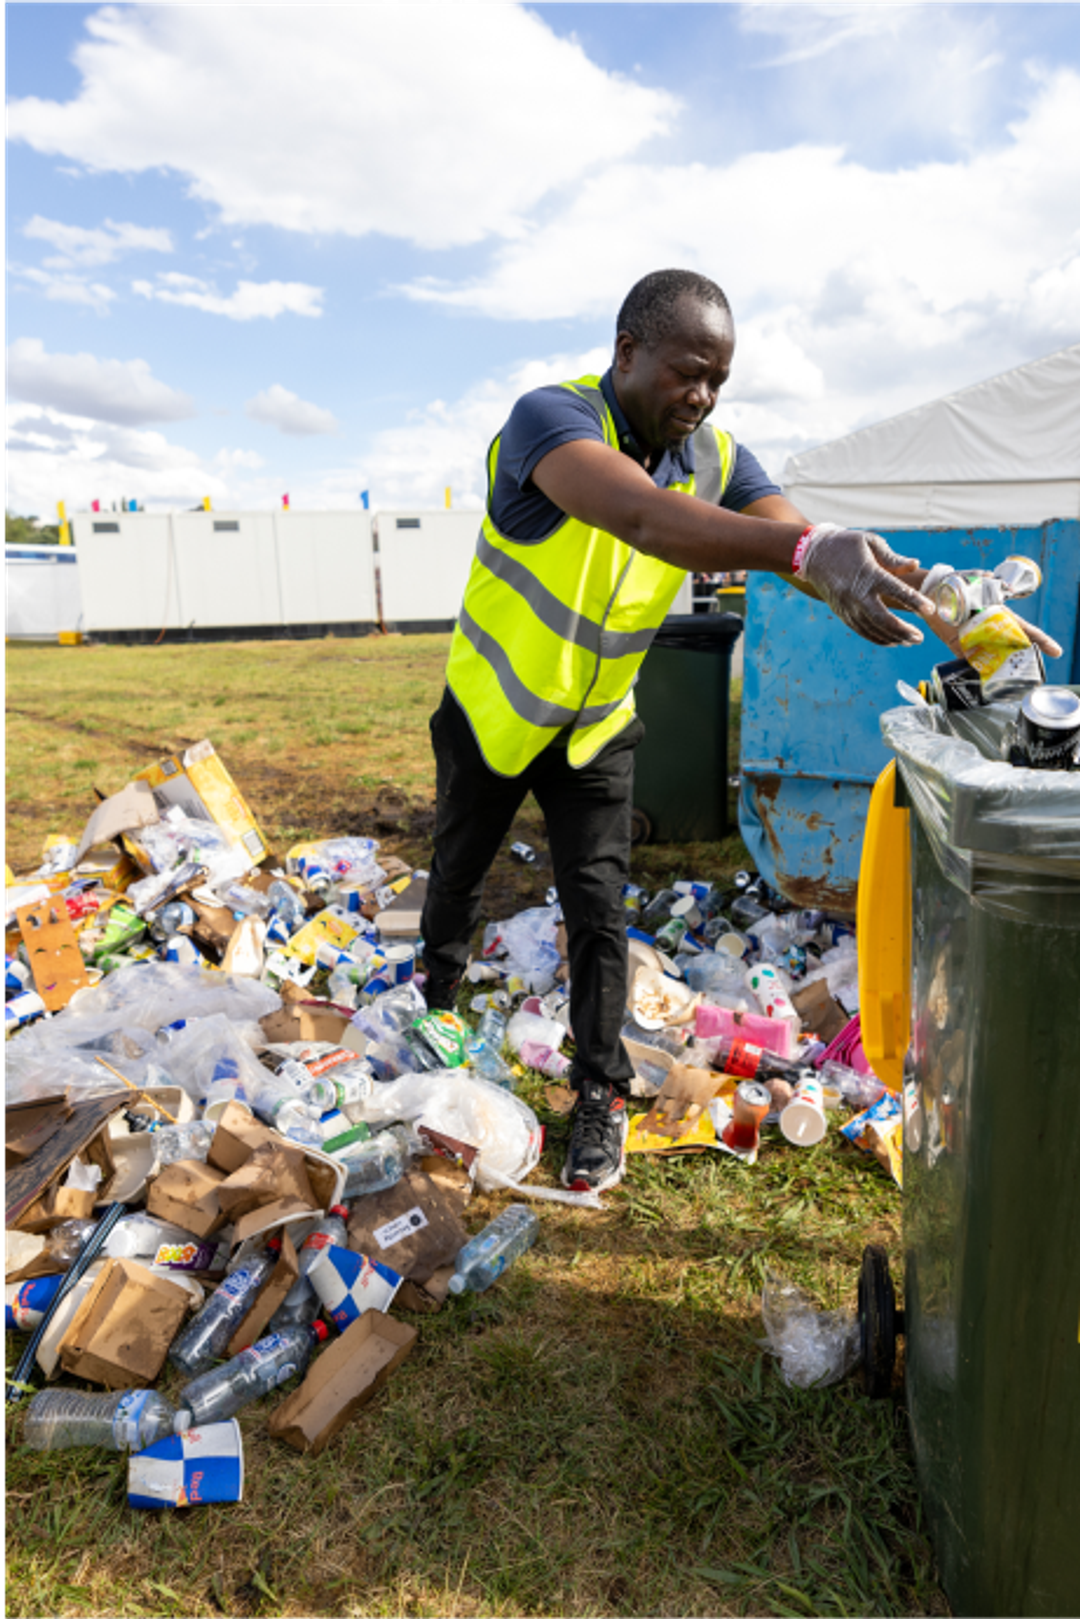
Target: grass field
(600, 1433)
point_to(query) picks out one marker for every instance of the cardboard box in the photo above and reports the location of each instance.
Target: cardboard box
(426, 1297)
(348, 1373)
(186, 1194)
(122, 1330)
(273, 1171)
(413, 1226)
(236, 1138)
(302, 1017)
(199, 782)
(401, 918)
(270, 1295)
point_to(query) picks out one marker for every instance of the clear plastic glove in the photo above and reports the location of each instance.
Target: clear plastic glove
(855, 572)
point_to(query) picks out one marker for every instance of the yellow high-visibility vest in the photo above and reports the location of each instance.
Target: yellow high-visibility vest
(552, 632)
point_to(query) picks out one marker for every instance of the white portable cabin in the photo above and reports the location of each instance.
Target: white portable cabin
(217, 574)
(1005, 452)
(43, 594)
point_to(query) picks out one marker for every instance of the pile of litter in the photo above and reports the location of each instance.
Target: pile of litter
(235, 1128)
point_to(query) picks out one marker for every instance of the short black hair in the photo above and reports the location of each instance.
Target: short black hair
(649, 311)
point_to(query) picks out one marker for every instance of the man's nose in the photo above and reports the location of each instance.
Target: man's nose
(702, 394)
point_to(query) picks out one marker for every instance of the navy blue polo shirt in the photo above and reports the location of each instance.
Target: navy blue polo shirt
(547, 417)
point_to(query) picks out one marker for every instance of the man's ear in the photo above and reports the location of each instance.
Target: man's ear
(625, 348)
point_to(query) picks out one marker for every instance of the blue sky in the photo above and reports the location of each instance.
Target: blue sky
(259, 249)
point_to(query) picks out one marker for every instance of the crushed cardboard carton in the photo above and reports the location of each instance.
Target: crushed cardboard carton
(121, 1332)
(186, 1194)
(347, 1374)
(413, 1226)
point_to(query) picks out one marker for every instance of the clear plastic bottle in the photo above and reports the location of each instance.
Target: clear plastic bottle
(278, 1103)
(485, 1256)
(57, 1419)
(301, 1303)
(206, 1336)
(65, 1241)
(372, 1166)
(175, 1142)
(286, 904)
(219, 1394)
(245, 901)
(483, 1050)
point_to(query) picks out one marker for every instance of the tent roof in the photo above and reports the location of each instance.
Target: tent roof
(1002, 436)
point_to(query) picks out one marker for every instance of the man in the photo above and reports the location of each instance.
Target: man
(602, 494)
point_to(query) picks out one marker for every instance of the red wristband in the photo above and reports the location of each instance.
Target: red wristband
(800, 549)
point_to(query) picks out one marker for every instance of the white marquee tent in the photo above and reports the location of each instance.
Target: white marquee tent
(1003, 452)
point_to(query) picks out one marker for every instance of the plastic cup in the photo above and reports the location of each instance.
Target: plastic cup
(803, 1121)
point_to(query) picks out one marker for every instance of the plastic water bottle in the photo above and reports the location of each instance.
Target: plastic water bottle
(65, 1241)
(250, 1374)
(57, 1419)
(175, 1142)
(484, 1258)
(297, 1305)
(372, 1166)
(483, 1050)
(206, 1336)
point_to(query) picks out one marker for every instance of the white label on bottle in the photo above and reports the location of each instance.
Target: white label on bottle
(403, 1226)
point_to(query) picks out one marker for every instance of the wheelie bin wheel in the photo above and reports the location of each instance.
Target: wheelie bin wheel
(640, 827)
(878, 1323)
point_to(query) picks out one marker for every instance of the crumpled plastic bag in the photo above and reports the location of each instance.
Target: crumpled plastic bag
(459, 1104)
(815, 1347)
(152, 994)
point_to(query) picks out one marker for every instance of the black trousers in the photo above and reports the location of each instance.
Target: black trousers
(587, 813)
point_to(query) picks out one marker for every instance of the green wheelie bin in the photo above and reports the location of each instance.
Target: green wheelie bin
(991, 1162)
(681, 764)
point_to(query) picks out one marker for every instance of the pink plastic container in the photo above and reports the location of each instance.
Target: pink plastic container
(771, 1034)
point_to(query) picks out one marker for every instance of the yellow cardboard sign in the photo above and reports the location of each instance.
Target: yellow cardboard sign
(329, 927)
(198, 781)
(700, 1134)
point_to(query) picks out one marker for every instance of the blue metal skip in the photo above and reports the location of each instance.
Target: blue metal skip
(811, 749)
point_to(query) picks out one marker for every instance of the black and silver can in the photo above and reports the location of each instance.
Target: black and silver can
(956, 685)
(1047, 734)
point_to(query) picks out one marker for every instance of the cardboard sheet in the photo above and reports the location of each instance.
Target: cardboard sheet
(126, 811)
(414, 1226)
(348, 1373)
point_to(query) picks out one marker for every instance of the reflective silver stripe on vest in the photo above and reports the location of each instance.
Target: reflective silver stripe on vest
(526, 705)
(707, 465)
(593, 397)
(555, 615)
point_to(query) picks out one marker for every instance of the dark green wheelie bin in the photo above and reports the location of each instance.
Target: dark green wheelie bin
(992, 1161)
(681, 765)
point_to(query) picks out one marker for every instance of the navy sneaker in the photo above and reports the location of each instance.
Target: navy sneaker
(597, 1156)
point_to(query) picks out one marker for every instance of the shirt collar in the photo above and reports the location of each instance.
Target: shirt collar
(682, 459)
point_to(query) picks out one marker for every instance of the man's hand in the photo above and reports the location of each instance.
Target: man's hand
(857, 574)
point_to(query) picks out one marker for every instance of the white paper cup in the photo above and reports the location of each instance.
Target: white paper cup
(401, 960)
(803, 1121)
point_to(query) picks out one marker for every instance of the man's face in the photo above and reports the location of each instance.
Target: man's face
(669, 390)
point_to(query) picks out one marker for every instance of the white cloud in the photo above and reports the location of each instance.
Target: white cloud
(882, 289)
(813, 30)
(55, 455)
(456, 436)
(289, 413)
(123, 392)
(60, 287)
(252, 300)
(432, 122)
(87, 247)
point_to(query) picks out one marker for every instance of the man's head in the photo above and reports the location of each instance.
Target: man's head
(673, 348)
